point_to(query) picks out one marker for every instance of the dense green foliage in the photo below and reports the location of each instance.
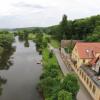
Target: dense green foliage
(86, 29)
(52, 82)
(95, 36)
(70, 84)
(6, 40)
(23, 35)
(41, 42)
(82, 29)
(63, 28)
(6, 50)
(64, 95)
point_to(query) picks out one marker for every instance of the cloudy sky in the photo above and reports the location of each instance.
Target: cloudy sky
(27, 13)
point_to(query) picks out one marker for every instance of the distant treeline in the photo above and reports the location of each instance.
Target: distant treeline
(87, 29)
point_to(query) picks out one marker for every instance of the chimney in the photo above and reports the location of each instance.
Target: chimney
(98, 72)
(90, 53)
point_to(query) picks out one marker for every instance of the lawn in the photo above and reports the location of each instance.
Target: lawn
(31, 36)
(47, 61)
(46, 35)
(55, 43)
(46, 58)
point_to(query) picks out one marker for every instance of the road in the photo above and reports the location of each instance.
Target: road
(83, 93)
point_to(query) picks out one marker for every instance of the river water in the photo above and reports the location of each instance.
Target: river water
(19, 72)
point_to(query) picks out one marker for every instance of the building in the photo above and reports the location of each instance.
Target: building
(84, 52)
(86, 64)
(66, 45)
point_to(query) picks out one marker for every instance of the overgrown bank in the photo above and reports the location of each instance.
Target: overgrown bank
(53, 85)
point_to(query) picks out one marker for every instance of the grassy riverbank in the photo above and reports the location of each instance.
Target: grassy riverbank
(52, 82)
(49, 60)
(51, 76)
(54, 42)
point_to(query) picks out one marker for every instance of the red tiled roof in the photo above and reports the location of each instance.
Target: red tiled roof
(88, 49)
(94, 60)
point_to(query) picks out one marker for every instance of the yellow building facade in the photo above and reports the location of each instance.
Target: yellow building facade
(90, 82)
(76, 57)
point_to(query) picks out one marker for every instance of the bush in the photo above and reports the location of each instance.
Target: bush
(6, 40)
(51, 54)
(70, 84)
(64, 95)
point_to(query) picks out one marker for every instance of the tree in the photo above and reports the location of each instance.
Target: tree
(63, 27)
(6, 40)
(64, 95)
(70, 84)
(49, 86)
(95, 36)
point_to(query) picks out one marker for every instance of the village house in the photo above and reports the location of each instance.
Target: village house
(84, 52)
(86, 60)
(65, 46)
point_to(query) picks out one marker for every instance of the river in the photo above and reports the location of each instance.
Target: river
(20, 72)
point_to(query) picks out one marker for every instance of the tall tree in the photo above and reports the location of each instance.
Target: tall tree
(63, 28)
(64, 95)
(70, 84)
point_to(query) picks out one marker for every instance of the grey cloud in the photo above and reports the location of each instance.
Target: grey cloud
(27, 5)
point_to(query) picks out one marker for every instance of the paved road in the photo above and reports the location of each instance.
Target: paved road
(83, 93)
(61, 63)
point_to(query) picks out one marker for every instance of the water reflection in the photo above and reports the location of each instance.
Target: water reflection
(5, 59)
(24, 39)
(20, 38)
(2, 81)
(26, 43)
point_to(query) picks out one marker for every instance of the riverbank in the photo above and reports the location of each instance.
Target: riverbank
(48, 38)
(51, 73)
(52, 79)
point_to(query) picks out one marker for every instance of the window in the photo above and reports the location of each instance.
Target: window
(80, 72)
(94, 89)
(84, 77)
(87, 80)
(90, 85)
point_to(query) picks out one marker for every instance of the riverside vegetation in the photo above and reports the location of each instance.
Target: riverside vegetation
(6, 40)
(53, 84)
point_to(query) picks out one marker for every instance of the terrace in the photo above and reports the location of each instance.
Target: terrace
(92, 74)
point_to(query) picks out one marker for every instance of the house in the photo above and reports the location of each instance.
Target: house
(66, 45)
(84, 52)
(86, 58)
(95, 63)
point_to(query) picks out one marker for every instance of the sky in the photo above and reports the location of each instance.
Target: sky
(42, 13)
